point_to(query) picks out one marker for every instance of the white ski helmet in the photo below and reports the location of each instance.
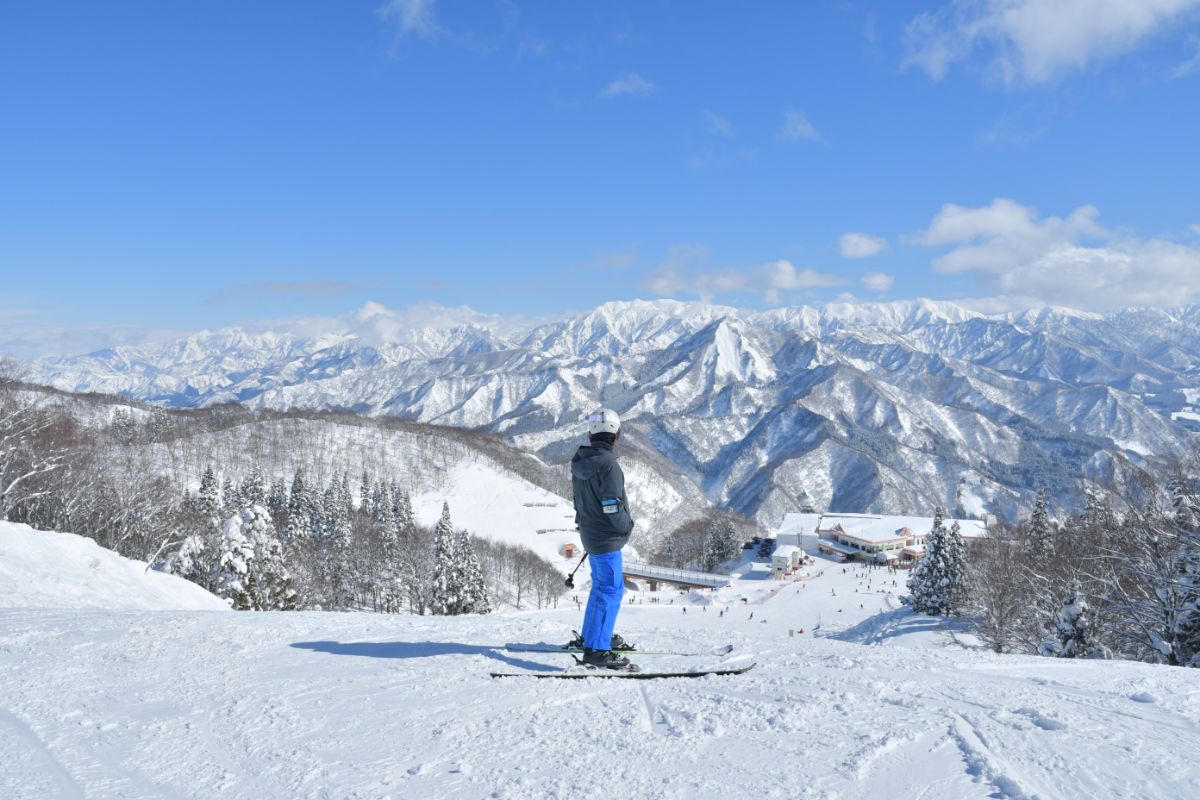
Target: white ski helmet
(603, 420)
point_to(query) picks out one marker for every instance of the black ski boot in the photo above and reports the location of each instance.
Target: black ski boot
(617, 643)
(606, 659)
(620, 645)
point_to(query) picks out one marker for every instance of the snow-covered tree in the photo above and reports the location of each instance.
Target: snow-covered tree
(1186, 512)
(208, 499)
(302, 508)
(1040, 540)
(416, 556)
(458, 584)
(231, 499)
(277, 497)
(475, 596)
(159, 427)
(722, 543)
(938, 582)
(192, 562)
(337, 540)
(446, 592)
(30, 453)
(402, 509)
(253, 491)
(383, 510)
(1150, 589)
(251, 573)
(1187, 626)
(1074, 628)
(364, 494)
(999, 597)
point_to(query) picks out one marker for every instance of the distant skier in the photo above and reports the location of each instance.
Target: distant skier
(602, 514)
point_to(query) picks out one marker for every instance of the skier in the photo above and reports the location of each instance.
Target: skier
(602, 514)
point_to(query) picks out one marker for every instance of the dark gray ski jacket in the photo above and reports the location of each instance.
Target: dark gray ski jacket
(601, 508)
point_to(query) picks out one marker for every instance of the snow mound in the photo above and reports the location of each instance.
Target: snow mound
(47, 569)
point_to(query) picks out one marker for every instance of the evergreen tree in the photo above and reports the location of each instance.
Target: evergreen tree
(414, 558)
(390, 569)
(402, 508)
(475, 597)
(251, 572)
(160, 426)
(208, 500)
(236, 578)
(1074, 628)
(338, 541)
(345, 497)
(383, 510)
(231, 500)
(191, 561)
(1039, 543)
(364, 494)
(938, 582)
(301, 506)
(721, 544)
(253, 492)
(446, 592)
(277, 498)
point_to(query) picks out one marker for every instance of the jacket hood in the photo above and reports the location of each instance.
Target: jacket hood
(591, 459)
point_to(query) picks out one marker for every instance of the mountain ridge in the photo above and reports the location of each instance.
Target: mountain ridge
(904, 401)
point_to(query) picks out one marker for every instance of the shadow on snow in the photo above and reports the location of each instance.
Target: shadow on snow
(420, 650)
(889, 625)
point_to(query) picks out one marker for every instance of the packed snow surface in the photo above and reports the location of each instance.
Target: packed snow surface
(503, 507)
(850, 698)
(43, 569)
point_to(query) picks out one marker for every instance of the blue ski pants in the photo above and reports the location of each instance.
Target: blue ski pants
(604, 601)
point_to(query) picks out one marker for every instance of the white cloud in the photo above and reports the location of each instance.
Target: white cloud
(412, 16)
(532, 46)
(1035, 41)
(1193, 63)
(796, 128)
(878, 282)
(718, 124)
(861, 245)
(1194, 228)
(1071, 260)
(630, 83)
(678, 276)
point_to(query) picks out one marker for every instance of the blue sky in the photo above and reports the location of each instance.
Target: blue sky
(192, 165)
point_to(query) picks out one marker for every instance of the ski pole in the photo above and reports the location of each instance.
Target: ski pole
(571, 578)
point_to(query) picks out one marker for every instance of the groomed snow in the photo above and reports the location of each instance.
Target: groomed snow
(324, 705)
(44, 569)
(505, 508)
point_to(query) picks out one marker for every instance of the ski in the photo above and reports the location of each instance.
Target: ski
(547, 647)
(628, 674)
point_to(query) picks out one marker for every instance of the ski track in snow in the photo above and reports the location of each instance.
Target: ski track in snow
(187, 704)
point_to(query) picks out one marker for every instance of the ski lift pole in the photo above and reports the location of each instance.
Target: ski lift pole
(571, 578)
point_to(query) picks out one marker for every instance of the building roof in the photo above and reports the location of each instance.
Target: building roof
(796, 524)
(838, 547)
(875, 528)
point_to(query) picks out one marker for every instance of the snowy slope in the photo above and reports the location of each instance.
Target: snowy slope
(44, 569)
(500, 506)
(318, 705)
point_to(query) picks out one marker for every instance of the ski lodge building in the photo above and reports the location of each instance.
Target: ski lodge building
(873, 537)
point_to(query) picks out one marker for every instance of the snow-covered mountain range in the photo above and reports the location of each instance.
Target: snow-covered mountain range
(849, 407)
